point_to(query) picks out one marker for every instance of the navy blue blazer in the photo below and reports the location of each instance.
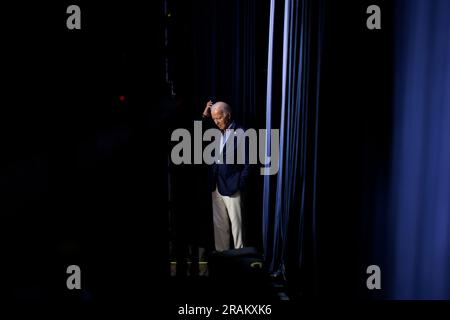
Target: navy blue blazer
(230, 177)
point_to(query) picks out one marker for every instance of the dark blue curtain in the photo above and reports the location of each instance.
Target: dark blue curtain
(289, 196)
(419, 219)
(243, 66)
(225, 51)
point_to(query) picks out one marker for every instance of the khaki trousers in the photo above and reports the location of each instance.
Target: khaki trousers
(227, 210)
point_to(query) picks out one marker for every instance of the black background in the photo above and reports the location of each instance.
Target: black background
(354, 143)
(84, 175)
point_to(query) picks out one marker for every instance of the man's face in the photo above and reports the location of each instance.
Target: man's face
(220, 119)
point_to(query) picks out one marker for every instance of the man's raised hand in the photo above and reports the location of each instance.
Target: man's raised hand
(207, 111)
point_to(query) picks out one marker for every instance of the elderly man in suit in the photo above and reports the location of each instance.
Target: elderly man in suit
(227, 180)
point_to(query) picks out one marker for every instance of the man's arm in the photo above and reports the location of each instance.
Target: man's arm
(207, 112)
(206, 116)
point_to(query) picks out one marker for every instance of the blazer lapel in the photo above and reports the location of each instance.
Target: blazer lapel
(231, 136)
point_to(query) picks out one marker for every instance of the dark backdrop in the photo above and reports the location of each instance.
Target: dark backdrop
(84, 177)
(354, 143)
(84, 171)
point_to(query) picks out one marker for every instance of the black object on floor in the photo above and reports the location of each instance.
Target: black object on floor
(239, 274)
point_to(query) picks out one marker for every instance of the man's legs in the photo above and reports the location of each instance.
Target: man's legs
(221, 223)
(234, 209)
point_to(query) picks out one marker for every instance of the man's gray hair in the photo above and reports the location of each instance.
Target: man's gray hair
(226, 109)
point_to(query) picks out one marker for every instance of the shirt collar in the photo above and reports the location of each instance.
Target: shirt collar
(230, 126)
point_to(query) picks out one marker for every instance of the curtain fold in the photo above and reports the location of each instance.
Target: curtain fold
(288, 202)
